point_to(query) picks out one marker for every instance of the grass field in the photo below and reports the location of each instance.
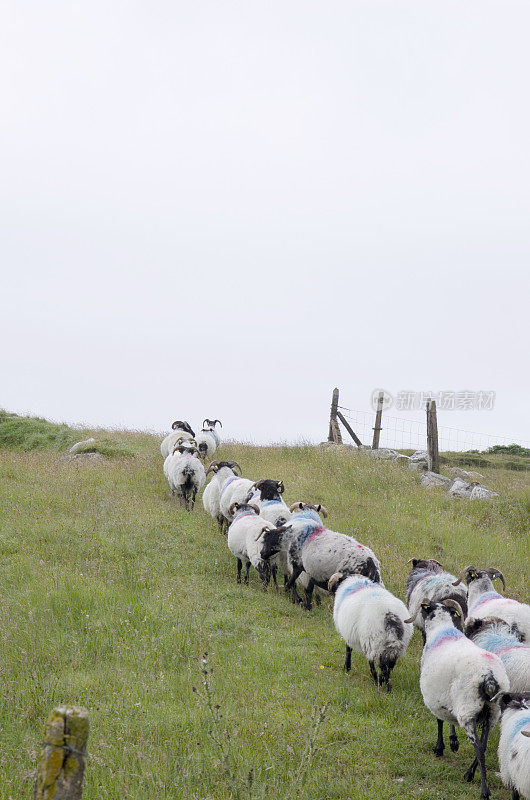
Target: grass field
(111, 593)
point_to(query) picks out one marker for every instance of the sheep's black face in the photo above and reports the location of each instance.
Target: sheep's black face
(430, 610)
(515, 700)
(269, 489)
(272, 541)
(182, 426)
(426, 563)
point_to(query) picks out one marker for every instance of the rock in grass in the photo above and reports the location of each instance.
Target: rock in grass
(78, 445)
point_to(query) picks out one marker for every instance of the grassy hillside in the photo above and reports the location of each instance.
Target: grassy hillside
(110, 594)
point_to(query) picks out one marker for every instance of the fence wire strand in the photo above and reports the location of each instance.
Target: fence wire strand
(405, 434)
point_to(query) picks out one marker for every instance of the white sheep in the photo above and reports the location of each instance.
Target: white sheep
(428, 580)
(234, 490)
(459, 681)
(496, 636)
(321, 552)
(372, 622)
(208, 440)
(185, 473)
(514, 743)
(484, 601)
(223, 470)
(244, 534)
(181, 430)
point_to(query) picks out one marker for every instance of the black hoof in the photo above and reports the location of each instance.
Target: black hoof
(469, 775)
(438, 751)
(454, 744)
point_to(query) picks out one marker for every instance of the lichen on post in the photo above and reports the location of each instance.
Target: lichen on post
(62, 756)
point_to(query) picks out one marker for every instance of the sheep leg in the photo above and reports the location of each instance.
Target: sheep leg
(274, 573)
(470, 774)
(373, 672)
(193, 496)
(384, 677)
(295, 574)
(480, 750)
(309, 594)
(264, 573)
(439, 747)
(347, 663)
(515, 794)
(239, 568)
(454, 744)
(246, 579)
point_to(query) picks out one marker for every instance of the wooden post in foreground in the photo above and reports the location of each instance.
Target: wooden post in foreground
(334, 434)
(62, 756)
(377, 426)
(432, 437)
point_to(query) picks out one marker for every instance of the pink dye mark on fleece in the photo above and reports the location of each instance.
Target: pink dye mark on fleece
(313, 535)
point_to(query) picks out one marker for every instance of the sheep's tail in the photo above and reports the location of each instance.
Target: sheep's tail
(489, 687)
(395, 631)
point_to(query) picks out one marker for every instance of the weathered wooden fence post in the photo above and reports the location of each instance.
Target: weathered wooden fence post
(378, 415)
(432, 437)
(62, 757)
(334, 430)
(349, 429)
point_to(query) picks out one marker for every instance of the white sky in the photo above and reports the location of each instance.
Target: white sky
(227, 208)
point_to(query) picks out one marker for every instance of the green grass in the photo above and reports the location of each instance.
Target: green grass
(111, 593)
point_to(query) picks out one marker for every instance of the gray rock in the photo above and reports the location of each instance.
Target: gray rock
(435, 479)
(479, 492)
(460, 488)
(467, 476)
(419, 460)
(386, 453)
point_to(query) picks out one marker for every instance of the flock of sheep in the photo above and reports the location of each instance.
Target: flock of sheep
(475, 665)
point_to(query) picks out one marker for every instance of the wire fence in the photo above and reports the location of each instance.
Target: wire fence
(401, 433)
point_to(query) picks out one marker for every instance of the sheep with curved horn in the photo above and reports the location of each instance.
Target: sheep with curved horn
(245, 535)
(484, 601)
(208, 439)
(180, 430)
(428, 579)
(320, 552)
(185, 473)
(459, 682)
(222, 472)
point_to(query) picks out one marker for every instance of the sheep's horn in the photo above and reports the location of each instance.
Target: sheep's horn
(262, 531)
(321, 510)
(496, 573)
(232, 508)
(175, 424)
(219, 421)
(205, 420)
(298, 504)
(281, 487)
(463, 573)
(211, 467)
(453, 604)
(410, 619)
(256, 509)
(335, 578)
(235, 464)
(526, 733)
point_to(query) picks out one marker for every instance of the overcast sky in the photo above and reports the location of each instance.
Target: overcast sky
(228, 208)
